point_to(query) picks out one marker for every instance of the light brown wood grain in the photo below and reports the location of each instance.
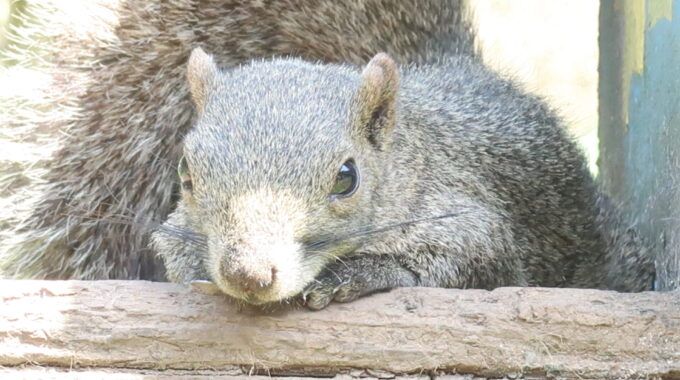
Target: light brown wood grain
(136, 325)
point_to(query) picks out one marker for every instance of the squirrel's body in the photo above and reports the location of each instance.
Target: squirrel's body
(465, 181)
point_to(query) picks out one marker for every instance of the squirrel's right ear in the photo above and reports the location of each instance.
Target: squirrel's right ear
(376, 100)
(201, 72)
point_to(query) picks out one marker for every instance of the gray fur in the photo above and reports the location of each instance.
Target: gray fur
(117, 107)
(464, 142)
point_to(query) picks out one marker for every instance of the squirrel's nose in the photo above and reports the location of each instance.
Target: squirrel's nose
(250, 280)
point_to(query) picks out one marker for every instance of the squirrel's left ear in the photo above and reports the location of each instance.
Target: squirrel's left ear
(201, 72)
(376, 100)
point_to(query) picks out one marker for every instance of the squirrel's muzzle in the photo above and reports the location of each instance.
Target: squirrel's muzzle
(255, 255)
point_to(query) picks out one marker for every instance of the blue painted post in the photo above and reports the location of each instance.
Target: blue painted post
(640, 120)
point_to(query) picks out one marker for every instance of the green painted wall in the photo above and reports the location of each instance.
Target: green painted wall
(639, 129)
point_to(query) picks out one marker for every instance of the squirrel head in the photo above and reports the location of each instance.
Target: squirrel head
(281, 165)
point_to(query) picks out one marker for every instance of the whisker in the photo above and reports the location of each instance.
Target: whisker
(195, 239)
(319, 244)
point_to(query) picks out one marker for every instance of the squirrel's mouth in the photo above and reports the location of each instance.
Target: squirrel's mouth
(211, 288)
(260, 298)
(254, 300)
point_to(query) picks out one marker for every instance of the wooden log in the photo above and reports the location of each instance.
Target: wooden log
(136, 325)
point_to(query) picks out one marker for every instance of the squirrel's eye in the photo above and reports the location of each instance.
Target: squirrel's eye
(183, 173)
(347, 180)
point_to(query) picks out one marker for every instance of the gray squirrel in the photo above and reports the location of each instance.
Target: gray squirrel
(332, 181)
(117, 106)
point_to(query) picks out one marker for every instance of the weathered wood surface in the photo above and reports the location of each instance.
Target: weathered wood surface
(135, 325)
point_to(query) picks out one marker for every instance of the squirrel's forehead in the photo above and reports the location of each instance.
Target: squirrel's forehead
(274, 119)
(276, 144)
(263, 163)
(285, 81)
(271, 122)
(266, 109)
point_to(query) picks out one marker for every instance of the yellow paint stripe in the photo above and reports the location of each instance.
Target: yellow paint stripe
(633, 54)
(635, 35)
(658, 9)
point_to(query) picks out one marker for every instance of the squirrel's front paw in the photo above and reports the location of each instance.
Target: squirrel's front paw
(348, 279)
(339, 282)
